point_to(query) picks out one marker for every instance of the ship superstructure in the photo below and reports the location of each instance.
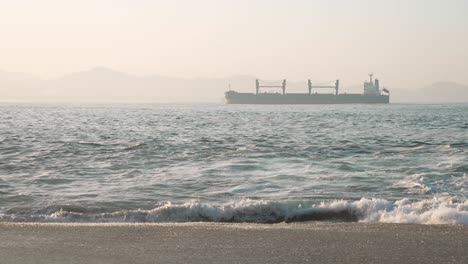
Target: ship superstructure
(372, 95)
(372, 87)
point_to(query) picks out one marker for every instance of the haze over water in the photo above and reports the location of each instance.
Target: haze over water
(179, 163)
(409, 44)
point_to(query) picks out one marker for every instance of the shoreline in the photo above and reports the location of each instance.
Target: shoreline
(310, 242)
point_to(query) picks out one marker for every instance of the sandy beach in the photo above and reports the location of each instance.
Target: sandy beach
(233, 243)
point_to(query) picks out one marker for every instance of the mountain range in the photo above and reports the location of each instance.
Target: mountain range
(102, 84)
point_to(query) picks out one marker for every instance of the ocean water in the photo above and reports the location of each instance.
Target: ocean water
(233, 163)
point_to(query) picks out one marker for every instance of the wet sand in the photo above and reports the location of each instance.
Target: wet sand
(233, 243)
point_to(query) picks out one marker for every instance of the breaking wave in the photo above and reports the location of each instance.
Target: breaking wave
(439, 210)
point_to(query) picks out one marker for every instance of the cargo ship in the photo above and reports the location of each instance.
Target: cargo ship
(372, 95)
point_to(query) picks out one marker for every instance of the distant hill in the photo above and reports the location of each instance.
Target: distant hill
(438, 92)
(102, 84)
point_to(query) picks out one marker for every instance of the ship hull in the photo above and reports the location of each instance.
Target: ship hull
(250, 98)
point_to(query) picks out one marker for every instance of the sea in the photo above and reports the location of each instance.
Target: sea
(172, 163)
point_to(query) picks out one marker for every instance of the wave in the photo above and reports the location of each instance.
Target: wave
(413, 184)
(439, 210)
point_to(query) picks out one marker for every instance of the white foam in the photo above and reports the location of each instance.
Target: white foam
(461, 182)
(439, 210)
(413, 184)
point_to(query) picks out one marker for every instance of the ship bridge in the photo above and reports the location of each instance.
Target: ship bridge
(372, 87)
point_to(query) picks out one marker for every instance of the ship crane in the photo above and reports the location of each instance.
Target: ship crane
(258, 86)
(336, 86)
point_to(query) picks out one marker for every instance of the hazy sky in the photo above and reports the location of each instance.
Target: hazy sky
(405, 42)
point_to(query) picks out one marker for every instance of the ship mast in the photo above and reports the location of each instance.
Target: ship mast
(371, 75)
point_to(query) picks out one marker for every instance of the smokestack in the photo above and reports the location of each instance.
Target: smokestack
(377, 85)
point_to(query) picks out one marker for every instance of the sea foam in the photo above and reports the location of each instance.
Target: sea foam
(439, 210)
